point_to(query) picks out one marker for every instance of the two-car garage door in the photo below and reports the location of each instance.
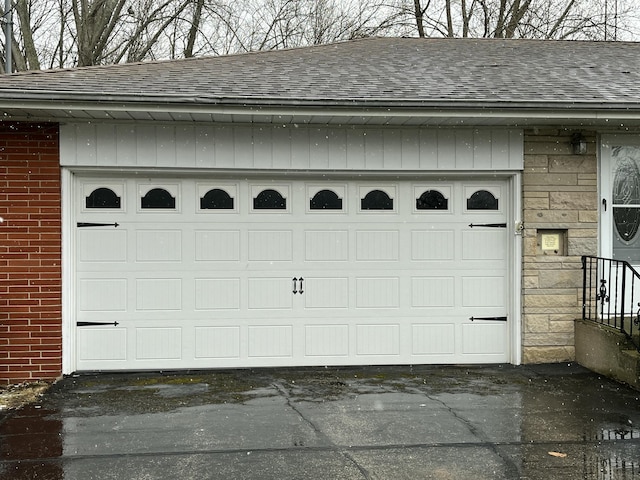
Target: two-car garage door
(211, 272)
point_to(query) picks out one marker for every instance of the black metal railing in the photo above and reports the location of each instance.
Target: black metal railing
(611, 295)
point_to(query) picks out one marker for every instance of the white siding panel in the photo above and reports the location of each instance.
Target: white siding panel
(205, 147)
(281, 148)
(355, 149)
(126, 145)
(465, 146)
(107, 146)
(337, 148)
(409, 150)
(243, 147)
(86, 144)
(296, 147)
(428, 149)
(224, 147)
(185, 146)
(447, 151)
(146, 146)
(374, 149)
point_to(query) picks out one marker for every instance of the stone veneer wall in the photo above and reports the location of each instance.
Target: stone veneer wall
(559, 192)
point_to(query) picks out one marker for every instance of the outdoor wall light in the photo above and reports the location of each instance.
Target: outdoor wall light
(579, 144)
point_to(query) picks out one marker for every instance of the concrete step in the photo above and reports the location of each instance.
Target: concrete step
(608, 352)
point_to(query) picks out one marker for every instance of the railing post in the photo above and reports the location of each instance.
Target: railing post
(584, 287)
(624, 293)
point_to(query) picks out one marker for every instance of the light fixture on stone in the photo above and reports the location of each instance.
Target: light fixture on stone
(578, 144)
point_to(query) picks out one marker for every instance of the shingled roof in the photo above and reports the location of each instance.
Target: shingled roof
(372, 73)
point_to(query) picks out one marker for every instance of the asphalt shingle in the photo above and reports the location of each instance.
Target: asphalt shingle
(395, 71)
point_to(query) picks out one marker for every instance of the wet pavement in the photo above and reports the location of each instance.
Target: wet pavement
(422, 422)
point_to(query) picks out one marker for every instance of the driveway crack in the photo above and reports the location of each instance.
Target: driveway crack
(332, 446)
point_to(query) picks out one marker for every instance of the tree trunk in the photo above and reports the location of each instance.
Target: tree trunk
(193, 29)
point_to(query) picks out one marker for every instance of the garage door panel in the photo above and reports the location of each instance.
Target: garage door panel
(483, 291)
(102, 245)
(484, 244)
(327, 340)
(432, 245)
(102, 344)
(270, 245)
(327, 292)
(270, 293)
(220, 246)
(326, 245)
(484, 338)
(217, 293)
(158, 343)
(158, 294)
(381, 245)
(159, 245)
(433, 292)
(433, 339)
(382, 292)
(270, 341)
(378, 340)
(102, 294)
(217, 342)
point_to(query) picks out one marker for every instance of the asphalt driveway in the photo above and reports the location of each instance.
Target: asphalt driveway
(422, 422)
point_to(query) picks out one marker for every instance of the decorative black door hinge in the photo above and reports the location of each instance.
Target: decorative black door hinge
(488, 225)
(91, 324)
(89, 224)
(498, 319)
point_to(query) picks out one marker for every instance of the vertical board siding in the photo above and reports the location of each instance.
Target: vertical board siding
(294, 147)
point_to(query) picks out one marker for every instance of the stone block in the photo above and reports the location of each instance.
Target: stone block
(588, 216)
(536, 203)
(572, 164)
(562, 326)
(547, 146)
(573, 200)
(536, 323)
(552, 339)
(583, 246)
(532, 161)
(530, 281)
(560, 278)
(548, 354)
(550, 217)
(551, 301)
(550, 179)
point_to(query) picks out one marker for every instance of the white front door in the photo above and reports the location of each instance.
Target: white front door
(210, 273)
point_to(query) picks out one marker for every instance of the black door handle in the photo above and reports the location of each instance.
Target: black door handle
(294, 285)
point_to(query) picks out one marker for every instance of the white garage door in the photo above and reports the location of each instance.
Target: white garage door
(205, 273)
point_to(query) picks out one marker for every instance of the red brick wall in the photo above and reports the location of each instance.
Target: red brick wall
(30, 253)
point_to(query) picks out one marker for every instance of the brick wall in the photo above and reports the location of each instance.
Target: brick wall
(30, 253)
(559, 192)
